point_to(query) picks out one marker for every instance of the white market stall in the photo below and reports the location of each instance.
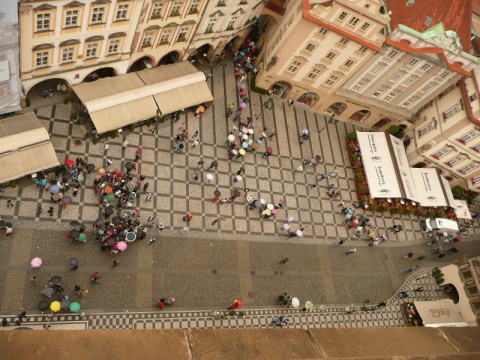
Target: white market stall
(440, 313)
(429, 188)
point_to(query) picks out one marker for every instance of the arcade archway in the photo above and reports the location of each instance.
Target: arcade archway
(308, 98)
(145, 62)
(337, 108)
(171, 58)
(100, 74)
(36, 90)
(360, 115)
(281, 88)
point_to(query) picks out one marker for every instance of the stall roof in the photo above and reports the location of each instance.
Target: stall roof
(126, 99)
(439, 313)
(461, 209)
(379, 168)
(410, 191)
(429, 188)
(25, 147)
(448, 192)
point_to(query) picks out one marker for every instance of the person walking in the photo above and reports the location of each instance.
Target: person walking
(116, 263)
(333, 174)
(214, 164)
(33, 280)
(149, 197)
(9, 203)
(75, 192)
(195, 143)
(145, 187)
(215, 221)
(188, 216)
(315, 185)
(284, 260)
(409, 255)
(341, 242)
(195, 134)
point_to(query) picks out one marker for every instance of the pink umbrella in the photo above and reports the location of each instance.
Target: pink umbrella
(121, 246)
(274, 211)
(234, 152)
(36, 262)
(243, 105)
(244, 130)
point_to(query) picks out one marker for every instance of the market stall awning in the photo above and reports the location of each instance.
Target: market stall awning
(379, 168)
(115, 102)
(448, 192)
(409, 189)
(439, 313)
(461, 209)
(429, 188)
(25, 147)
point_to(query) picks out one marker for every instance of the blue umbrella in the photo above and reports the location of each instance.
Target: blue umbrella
(245, 145)
(54, 189)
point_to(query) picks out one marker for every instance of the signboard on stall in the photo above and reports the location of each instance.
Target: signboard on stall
(429, 188)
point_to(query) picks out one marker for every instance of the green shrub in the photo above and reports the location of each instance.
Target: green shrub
(400, 210)
(374, 207)
(66, 100)
(352, 135)
(458, 191)
(149, 122)
(394, 129)
(114, 134)
(359, 176)
(95, 141)
(28, 102)
(255, 88)
(132, 127)
(362, 189)
(13, 183)
(355, 158)
(440, 281)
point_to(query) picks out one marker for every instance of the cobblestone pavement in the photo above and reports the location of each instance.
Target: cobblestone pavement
(322, 316)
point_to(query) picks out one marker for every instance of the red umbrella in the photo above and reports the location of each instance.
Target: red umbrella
(269, 150)
(69, 162)
(237, 304)
(108, 189)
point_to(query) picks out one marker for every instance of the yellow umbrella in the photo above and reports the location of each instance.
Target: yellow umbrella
(55, 306)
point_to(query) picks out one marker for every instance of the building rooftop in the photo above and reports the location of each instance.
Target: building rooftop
(421, 15)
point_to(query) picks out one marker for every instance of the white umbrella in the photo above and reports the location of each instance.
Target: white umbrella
(299, 233)
(270, 206)
(209, 177)
(295, 302)
(263, 201)
(36, 262)
(289, 218)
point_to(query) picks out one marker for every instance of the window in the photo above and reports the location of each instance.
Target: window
(408, 102)
(444, 74)
(71, 18)
(455, 160)
(165, 38)
(41, 59)
(91, 51)
(472, 290)
(468, 168)
(365, 26)
(183, 34)
(343, 41)
(376, 70)
(148, 39)
(294, 67)
(396, 77)
(43, 22)
(440, 153)
(176, 8)
(467, 274)
(322, 32)
(362, 49)
(407, 82)
(67, 54)
(378, 92)
(451, 112)
(231, 23)
(221, 3)
(331, 80)
(353, 21)
(211, 24)
(122, 12)
(97, 15)
(389, 97)
(393, 54)
(413, 62)
(342, 16)
(468, 136)
(309, 48)
(330, 56)
(428, 20)
(312, 75)
(358, 86)
(425, 130)
(348, 63)
(194, 7)
(113, 46)
(425, 67)
(157, 10)
(426, 89)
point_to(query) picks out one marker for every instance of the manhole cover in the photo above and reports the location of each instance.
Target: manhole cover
(250, 294)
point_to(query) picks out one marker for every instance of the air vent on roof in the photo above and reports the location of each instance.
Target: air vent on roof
(428, 21)
(410, 2)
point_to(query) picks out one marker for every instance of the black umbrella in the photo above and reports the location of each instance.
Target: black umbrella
(65, 304)
(56, 280)
(73, 262)
(117, 220)
(82, 227)
(74, 233)
(128, 165)
(90, 168)
(66, 176)
(43, 305)
(108, 212)
(214, 163)
(99, 222)
(201, 162)
(217, 193)
(2, 223)
(74, 223)
(236, 192)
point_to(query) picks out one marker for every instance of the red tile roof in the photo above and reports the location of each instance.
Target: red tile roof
(456, 15)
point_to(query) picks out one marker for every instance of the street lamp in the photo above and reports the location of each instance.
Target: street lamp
(331, 120)
(266, 105)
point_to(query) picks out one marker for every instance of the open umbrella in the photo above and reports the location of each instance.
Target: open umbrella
(244, 130)
(43, 305)
(250, 131)
(74, 234)
(48, 291)
(56, 280)
(101, 171)
(80, 178)
(268, 212)
(110, 198)
(289, 218)
(241, 151)
(65, 304)
(274, 211)
(209, 177)
(54, 189)
(258, 204)
(66, 200)
(231, 138)
(217, 193)
(36, 262)
(99, 222)
(55, 306)
(90, 168)
(309, 306)
(263, 201)
(73, 263)
(69, 162)
(269, 150)
(237, 303)
(66, 176)
(111, 241)
(270, 206)
(201, 108)
(295, 302)
(244, 146)
(243, 105)
(131, 236)
(75, 307)
(243, 120)
(234, 152)
(121, 246)
(299, 233)
(245, 137)
(74, 223)
(236, 192)
(108, 212)
(116, 220)
(82, 238)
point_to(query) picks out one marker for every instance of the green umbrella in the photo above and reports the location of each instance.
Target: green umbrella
(75, 307)
(110, 197)
(80, 178)
(82, 238)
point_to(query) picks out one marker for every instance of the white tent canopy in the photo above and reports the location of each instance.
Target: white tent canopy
(429, 188)
(404, 169)
(461, 209)
(448, 191)
(379, 168)
(439, 313)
